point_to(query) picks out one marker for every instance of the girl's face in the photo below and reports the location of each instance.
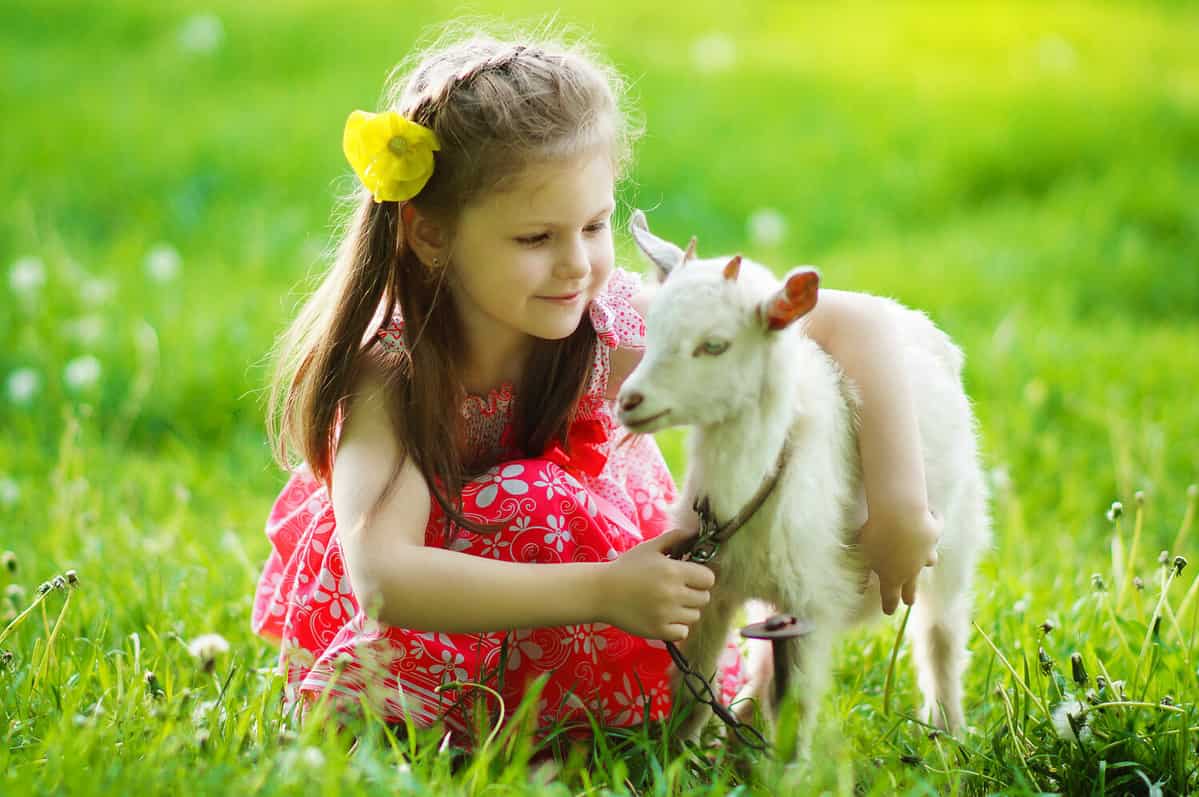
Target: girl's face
(528, 260)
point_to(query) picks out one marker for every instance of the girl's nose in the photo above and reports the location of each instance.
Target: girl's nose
(574, 262)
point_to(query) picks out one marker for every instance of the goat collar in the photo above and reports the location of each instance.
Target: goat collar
(712, 534)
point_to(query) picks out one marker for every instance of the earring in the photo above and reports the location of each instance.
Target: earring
(437, 262)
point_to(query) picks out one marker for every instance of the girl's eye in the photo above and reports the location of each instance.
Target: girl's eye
(534, 240)
(712, 347)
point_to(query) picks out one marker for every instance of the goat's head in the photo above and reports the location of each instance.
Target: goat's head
(711, 329)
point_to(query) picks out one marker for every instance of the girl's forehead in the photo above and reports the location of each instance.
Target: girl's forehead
(551, 191)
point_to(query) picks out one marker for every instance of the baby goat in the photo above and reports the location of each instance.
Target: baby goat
(725, 356)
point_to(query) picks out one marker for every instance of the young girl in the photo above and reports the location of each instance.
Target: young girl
(463, 511)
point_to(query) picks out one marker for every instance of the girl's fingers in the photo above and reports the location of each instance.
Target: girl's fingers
(890, 596)
(675, 632)
(696, 598)
(909, 592)
(698, 576)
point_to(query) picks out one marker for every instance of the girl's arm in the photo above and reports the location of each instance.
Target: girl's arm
(401, 581)
(900, 535)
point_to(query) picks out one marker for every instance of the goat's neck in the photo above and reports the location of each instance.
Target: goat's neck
(738, 454)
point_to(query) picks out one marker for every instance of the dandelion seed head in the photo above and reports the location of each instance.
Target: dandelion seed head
(22, 384)
(163, 263)
(713, 53)
(10, 493)
(1139, 497)
(1138, 583)
(312, 757)
(82, 373)
(15, 594)
(1061, 720)
(27, 275)
(95, 291)
(767, 227)
(206, 647)
(1056, 54)
(72, 578)
(1116, 510)
(1180, 563)
(201, 34)
(87, 329)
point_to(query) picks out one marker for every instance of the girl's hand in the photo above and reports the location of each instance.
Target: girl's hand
(650, 595)
(897, 549)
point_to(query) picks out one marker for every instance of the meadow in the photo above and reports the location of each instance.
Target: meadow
(1027, 173)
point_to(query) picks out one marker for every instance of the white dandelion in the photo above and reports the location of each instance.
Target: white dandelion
(201, 33)
(22, 384)
(312, 757)
(1061, 722)
(87, 329)
(163, 263)
(1056, 54)
(206, 647)
(96, 291)
(10, 492)
(27, 275)
(715, 52)
(82, 373)
(767, 227)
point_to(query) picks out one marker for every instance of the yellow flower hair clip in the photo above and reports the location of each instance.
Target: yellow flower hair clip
(392, 155)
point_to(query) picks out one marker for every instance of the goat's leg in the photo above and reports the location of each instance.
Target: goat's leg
(940, 627)
(809, 670)
(702, 649)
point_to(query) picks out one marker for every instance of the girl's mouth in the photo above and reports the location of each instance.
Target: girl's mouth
(565, 299)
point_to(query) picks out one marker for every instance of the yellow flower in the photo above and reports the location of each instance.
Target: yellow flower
(392, 155)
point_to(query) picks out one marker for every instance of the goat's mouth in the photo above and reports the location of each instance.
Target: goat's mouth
(642, 423)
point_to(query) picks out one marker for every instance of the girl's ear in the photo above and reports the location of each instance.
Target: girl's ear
(424, 236)
(792, 301)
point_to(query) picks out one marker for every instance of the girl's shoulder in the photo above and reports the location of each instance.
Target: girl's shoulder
(616, 316)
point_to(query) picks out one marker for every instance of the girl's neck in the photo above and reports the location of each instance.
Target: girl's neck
(493, 364)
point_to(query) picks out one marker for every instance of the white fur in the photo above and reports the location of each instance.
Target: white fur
(795, 552)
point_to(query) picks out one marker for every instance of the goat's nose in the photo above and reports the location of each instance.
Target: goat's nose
(631, 401)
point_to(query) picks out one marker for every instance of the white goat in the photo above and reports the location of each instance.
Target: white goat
(724, 357)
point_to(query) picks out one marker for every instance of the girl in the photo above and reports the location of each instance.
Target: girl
(461, 512)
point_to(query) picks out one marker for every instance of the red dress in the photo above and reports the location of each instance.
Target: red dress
(588, 507)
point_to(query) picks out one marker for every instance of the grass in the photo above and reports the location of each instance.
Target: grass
(1027, 173)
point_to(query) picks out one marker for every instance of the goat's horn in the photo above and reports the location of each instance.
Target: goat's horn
(690, 253)
(733, 268)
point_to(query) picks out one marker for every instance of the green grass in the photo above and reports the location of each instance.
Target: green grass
(1027, 173)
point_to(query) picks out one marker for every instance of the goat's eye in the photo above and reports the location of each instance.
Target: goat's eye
(712, 347)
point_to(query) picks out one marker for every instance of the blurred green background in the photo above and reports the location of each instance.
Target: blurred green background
(1026, 172)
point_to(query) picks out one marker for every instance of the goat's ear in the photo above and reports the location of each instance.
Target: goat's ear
(732, 269)
(792, 301)
(663, 254)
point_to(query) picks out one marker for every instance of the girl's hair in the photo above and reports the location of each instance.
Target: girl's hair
(496, 107)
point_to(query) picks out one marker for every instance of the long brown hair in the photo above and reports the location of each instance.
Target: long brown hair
(496, 107)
